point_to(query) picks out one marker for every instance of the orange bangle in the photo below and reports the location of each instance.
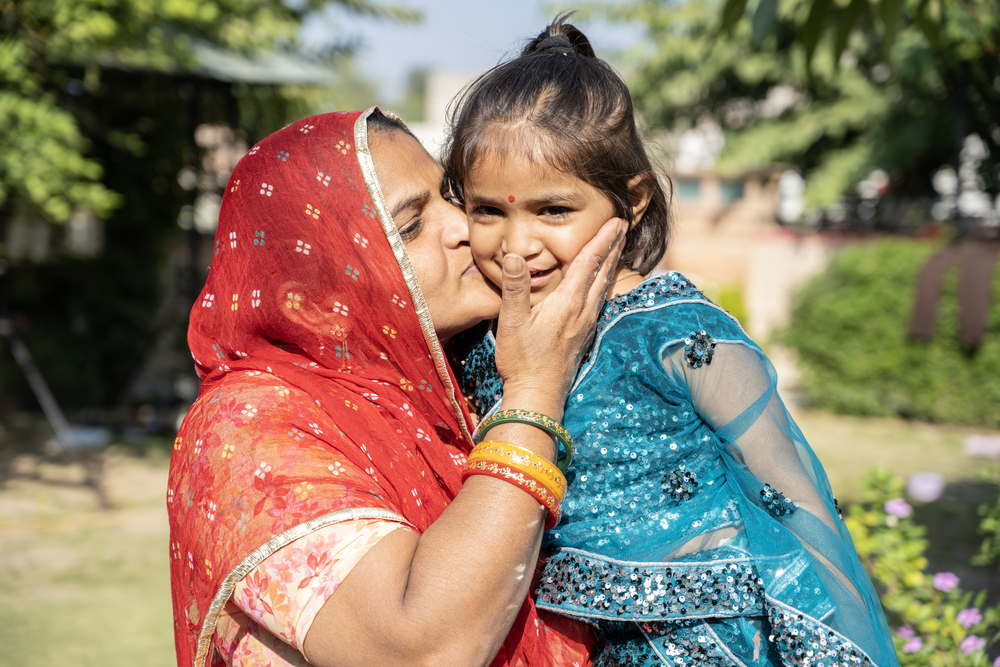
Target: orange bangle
(541, 470)
(521, 480)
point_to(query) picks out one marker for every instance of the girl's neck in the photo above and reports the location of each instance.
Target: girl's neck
(625, 280)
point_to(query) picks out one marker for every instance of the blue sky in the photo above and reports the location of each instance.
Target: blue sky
(454, 35)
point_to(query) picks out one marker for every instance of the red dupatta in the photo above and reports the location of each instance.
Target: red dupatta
(325, 395)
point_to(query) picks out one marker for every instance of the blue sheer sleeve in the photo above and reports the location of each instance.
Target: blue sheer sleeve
(770, 461)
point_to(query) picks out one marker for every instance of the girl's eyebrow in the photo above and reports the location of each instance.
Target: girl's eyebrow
(557, 198)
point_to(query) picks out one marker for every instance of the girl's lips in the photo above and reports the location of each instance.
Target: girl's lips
(540, 278)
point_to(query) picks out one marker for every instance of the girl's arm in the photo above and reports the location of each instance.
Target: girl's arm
(737, 396)
(450, 595)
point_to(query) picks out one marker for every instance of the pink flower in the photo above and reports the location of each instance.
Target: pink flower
(969, 617)
(913, 645)
(898, 507)
(996, 663)
(972, 643)
(945, 581)
(906, 632)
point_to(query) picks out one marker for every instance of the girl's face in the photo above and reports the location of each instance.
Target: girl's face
(522, 205)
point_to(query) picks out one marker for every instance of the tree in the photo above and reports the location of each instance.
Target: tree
(43, 163)
(835, 103)
(99, 103)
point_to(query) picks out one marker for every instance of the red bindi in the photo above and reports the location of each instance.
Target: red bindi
(510, 198)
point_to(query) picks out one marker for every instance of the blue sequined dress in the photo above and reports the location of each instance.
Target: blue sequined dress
(699, 527)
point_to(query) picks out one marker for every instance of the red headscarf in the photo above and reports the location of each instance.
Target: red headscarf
(325, 395)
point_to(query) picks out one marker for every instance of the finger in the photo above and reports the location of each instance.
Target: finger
(515, 306)
(597, 260)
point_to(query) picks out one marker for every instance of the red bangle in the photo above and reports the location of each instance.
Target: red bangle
(524, 482)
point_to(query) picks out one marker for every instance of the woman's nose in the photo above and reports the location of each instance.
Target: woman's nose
(456, 230)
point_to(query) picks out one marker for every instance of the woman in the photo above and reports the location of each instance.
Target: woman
(315, 497)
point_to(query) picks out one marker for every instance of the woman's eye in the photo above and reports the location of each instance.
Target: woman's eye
(411, 231)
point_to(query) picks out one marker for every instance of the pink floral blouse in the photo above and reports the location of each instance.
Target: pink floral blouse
(266, 620)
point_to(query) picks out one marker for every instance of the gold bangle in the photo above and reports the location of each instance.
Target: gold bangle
(521, 480)
(528, 462)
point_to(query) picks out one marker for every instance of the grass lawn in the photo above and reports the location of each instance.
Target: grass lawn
(78, 585)
(81, 586)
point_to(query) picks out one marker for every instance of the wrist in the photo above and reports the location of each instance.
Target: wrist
(520, 397)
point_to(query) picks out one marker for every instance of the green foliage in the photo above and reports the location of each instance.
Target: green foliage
(45, 43)
(989, 526)
(833, 103)
(935, 632)
(98, 110)
(850, 326)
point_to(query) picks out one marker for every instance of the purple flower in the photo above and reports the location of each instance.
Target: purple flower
(996, 663)
(906, 632)
(945, 581)
(969, 617)
(913, 645)
(898, 507)
(972, 643)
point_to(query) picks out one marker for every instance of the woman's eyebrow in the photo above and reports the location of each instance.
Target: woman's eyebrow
(423, 196)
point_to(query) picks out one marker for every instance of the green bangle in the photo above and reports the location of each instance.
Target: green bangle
(538, 420)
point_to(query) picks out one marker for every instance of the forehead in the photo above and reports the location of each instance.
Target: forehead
(518, 153)
(402, 165)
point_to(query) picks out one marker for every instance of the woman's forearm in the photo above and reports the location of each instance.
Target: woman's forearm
(450, 595)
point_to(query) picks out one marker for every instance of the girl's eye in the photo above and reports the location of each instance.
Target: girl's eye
(485, 211)
(555, 211)
(411, 231)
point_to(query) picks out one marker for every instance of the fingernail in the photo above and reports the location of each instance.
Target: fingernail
(512, 265)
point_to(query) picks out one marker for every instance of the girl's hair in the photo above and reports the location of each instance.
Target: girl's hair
(559, 93)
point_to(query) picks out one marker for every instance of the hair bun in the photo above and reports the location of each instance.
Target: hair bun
(560, 44)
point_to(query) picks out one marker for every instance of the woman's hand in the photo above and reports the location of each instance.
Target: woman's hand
(539, 348)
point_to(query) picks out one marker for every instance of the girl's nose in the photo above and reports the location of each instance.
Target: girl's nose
(519, 239)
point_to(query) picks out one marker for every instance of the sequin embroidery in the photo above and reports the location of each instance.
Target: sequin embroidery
(803, 642)
(776, 503)
(578, 584)
(699, 348)
(680, 484)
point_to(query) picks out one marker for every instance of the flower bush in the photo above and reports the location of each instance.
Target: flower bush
(935, 622)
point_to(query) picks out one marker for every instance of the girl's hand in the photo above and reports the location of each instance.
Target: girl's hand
(539, 348)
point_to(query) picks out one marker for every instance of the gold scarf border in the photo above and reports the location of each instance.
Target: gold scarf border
(403, 259)
(238, 573)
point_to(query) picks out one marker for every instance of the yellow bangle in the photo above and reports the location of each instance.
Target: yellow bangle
(539, 469)
(523, 481)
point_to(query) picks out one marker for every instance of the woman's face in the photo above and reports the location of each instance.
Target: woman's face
(435, 231)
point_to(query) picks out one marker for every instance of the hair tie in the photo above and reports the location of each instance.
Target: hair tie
(555, 44)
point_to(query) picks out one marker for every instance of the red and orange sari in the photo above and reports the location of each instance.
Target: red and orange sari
(325, 395)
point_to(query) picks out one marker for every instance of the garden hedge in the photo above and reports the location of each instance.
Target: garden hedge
(849, 326)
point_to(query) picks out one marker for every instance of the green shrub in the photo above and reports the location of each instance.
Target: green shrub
(850, 326)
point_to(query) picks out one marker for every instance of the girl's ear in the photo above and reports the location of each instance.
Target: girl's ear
(640, 192)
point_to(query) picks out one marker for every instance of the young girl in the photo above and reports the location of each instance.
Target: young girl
(699, 527)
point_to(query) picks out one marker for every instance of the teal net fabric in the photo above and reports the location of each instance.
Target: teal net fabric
(699, 527)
